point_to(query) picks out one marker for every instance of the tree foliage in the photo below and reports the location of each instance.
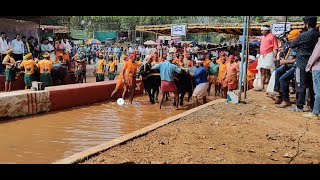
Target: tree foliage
(129, 23)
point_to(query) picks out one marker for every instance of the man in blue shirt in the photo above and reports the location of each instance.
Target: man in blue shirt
(167, 70)
(201, 90)
(17, 48)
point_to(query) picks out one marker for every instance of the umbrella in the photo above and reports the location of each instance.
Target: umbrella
(93, 41)
(150, 43)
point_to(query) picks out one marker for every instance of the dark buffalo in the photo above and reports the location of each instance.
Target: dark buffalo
(63, 73)
(185, 84)
(151, 81)
(58, 73)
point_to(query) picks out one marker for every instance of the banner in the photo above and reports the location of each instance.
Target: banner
(178, 30)
(78, 34)
(163, 38)
(278, 28)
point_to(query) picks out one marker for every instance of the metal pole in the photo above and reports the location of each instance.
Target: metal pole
(242, 56)
(247, 60)
(185, 37)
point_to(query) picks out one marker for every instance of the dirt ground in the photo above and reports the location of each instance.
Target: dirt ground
(254, 133)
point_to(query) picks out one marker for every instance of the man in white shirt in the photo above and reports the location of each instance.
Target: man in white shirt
(148, 51)
(68, 47)
(47, 47)
(17, 48)
(139, 50)
(109, 50)
(131, 50)
(214, 53)
(172, 49)
(143, 52)
(196, 51)
(115, 52)
(8, 42)
(3, 48)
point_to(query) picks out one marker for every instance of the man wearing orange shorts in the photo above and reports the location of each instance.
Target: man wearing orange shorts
(232, 73)
(127, 78)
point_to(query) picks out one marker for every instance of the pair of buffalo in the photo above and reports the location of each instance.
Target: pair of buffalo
(184, 82)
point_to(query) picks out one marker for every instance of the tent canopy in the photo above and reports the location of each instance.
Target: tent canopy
(229, 28)
(28, 18)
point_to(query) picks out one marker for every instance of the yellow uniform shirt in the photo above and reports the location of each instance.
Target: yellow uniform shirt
(28, 66)
(100, 64)
(8, 59)
(45, 66)
(112, 66)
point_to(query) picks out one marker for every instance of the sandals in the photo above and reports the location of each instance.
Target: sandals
(283, 104)
(278, 101)
(259, 89)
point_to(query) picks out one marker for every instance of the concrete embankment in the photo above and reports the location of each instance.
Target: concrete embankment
(24, 103)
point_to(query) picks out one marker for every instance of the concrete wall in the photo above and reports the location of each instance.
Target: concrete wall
(67, 96)
(23, 103)
(19, 83)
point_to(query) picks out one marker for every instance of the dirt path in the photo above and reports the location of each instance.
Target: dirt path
(256, 132)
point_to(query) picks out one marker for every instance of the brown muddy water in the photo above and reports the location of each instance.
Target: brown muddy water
(52, 136)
